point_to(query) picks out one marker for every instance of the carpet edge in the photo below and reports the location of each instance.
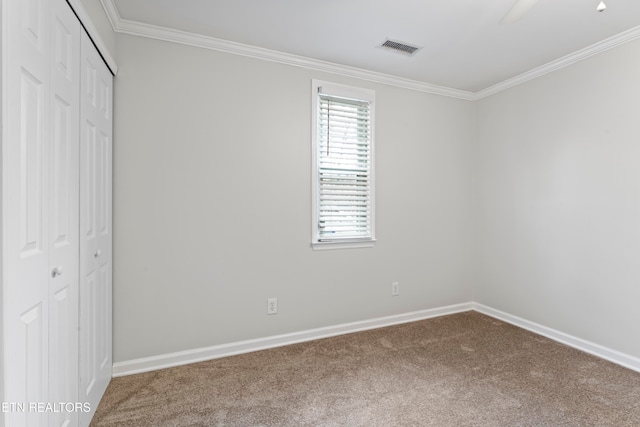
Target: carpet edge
(626, 360)
(153, 363)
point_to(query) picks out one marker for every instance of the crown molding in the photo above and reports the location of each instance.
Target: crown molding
(126, 26)
(135, 28)
(565, 61)
(112, 12)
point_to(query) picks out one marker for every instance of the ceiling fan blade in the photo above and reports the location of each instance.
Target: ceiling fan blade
(517, 11)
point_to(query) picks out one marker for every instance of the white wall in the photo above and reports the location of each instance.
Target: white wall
(558, 200)
(212, 203)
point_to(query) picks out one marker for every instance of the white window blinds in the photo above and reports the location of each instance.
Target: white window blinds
(344, 156)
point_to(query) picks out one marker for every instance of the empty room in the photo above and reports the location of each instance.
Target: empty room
(288, 213)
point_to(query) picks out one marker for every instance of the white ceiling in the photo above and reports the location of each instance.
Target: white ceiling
(464, 45)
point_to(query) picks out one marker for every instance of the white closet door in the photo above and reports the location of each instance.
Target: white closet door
(95, 227)
(64, 211)
(41, 147)
(56, 267)
(26, 247)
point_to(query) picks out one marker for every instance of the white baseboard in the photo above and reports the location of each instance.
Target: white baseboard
(153, 363)
(602, 352)
(162, 361)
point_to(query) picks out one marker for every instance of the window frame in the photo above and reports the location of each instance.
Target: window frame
(353, 93)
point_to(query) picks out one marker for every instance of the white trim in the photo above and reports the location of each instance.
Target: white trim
(163, 361)
(336, 244)
(160, 33)
(614, 356)
(355, 93)
(190, 39)
(153, 363)
(113, 14)
(94, 35)
(565, 61)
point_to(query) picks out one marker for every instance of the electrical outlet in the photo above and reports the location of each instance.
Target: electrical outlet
(395, 289)
(272, 306)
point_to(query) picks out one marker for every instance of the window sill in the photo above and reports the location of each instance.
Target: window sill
(345, 244)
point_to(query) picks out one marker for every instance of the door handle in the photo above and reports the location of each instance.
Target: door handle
(57, 271)
(97, 253)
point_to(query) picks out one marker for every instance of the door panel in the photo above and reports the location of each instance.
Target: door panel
(61, 174)
(31, 348)
(32, 147)
(64, 191)
(63, 365)
(34, 22)
(103, 318)
(40, 209)
(25, 206)
(56, 290)
(102, 185)
(88, 334)
(95, 226)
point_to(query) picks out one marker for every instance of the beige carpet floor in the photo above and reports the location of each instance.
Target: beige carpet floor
(465, 369)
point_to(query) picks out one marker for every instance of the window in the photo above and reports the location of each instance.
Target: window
(343, 166)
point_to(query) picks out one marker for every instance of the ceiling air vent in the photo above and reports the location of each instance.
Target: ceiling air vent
(400, 47)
